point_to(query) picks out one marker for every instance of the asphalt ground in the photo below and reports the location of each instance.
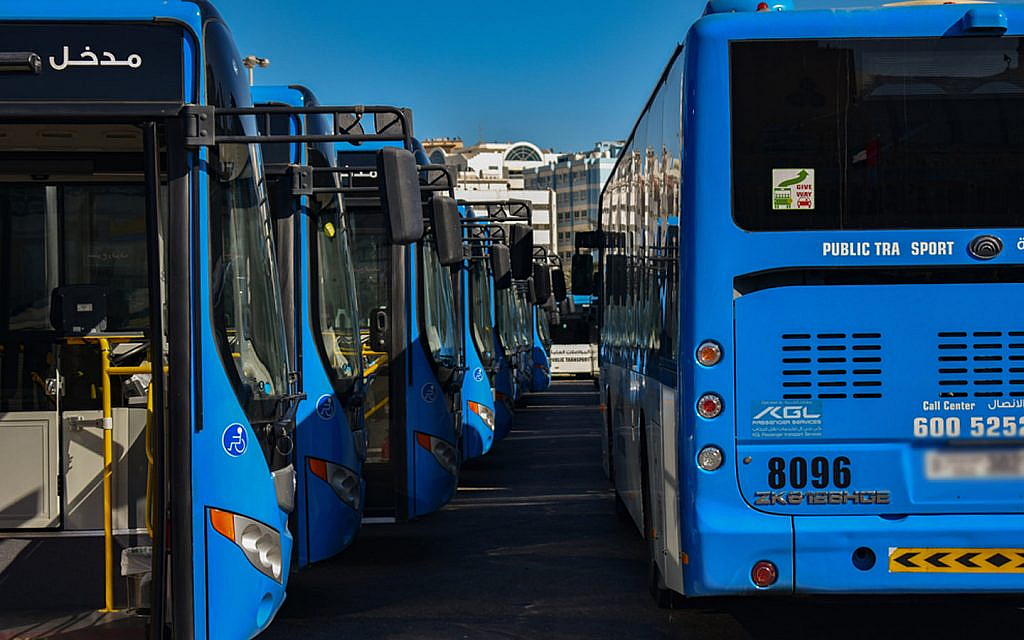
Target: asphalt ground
(531, 547)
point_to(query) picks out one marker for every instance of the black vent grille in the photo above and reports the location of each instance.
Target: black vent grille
(831, 365)
(980, 364)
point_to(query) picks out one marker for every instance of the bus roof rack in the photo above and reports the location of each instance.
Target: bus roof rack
(391, 124)
(499, 212)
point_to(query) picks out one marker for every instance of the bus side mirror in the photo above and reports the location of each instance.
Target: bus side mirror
(583, 274)
(522, 251)
(558, 284)
(501, 266)
(542, 283)
(444, 218)
(400, 194)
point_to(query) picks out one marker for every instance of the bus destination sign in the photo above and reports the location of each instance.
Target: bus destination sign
(89, 63)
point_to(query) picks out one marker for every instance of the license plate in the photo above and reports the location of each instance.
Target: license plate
(967, 465)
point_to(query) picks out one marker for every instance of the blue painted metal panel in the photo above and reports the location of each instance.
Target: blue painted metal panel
(540, 363)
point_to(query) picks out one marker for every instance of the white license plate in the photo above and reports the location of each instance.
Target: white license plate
(966, 465)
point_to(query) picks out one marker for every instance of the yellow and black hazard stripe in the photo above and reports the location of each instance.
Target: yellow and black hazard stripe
(944, 560)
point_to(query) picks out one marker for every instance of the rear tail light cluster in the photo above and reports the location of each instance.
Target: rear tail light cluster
(443, 452)
(764, 574)
(709, 353)
(709, 405)
(710, 458)
(344, 481)
(486, 413)
(260, 543)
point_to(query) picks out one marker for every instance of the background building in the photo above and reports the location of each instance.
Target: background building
(577, 180)
(495, 171)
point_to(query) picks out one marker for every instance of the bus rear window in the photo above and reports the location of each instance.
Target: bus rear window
(918, 133)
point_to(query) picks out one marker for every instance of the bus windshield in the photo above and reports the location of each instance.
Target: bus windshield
(480, 312)
(438, 310)
(544, 328)
(878, 133)
(523, 328)
(337, 312)
(506, 319)
(248, 318)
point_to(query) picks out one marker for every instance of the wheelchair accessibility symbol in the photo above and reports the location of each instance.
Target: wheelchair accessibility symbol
(428, 392)
(235, 440)
(478, 374)
(325, 407)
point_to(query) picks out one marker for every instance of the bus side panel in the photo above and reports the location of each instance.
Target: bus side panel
(504, 394)
(722, 536)
(540, 366)
(326, 524)
(671, 539)
(625, 441)
(431, 486)
(232, 598)
(477, 437)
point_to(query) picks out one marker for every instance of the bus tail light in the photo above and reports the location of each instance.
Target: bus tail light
(709, 405)
(260, 544)
(486, 413)
(764, 574)
(709, 353)
(344, 481)
(443, 452)
(710, 458)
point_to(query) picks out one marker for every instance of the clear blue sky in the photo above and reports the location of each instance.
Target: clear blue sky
(560, 73)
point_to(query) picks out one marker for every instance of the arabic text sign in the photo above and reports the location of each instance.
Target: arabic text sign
(96, 62)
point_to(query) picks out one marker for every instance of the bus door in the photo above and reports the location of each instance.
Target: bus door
(381, 258)
(382, 293)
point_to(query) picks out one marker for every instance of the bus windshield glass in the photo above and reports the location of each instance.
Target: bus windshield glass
(480, 312)
(506, 319)
(544, 327)
(438, 309)
(878, 133)
(247, 309)
(335, 282)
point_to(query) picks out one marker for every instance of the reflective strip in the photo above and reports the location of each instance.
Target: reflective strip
(946, 560)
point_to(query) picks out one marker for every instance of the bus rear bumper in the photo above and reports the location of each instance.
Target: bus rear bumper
(912, 554)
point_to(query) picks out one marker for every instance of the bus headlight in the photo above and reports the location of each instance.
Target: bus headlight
(260, 543)
(443, 452)
(344, 481)
(486, 413)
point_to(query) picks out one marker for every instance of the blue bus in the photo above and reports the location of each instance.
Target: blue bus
(411, 343)
(810, 347)
(475, 289)
(500, 228)
(547, 273)
(142, 318)
(314, 243)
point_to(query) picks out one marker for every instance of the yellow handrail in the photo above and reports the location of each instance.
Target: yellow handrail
(106, 371)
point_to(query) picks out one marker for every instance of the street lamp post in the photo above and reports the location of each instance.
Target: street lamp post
(251, 62)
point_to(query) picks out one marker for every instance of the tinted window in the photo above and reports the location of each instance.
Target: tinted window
(878, 133)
